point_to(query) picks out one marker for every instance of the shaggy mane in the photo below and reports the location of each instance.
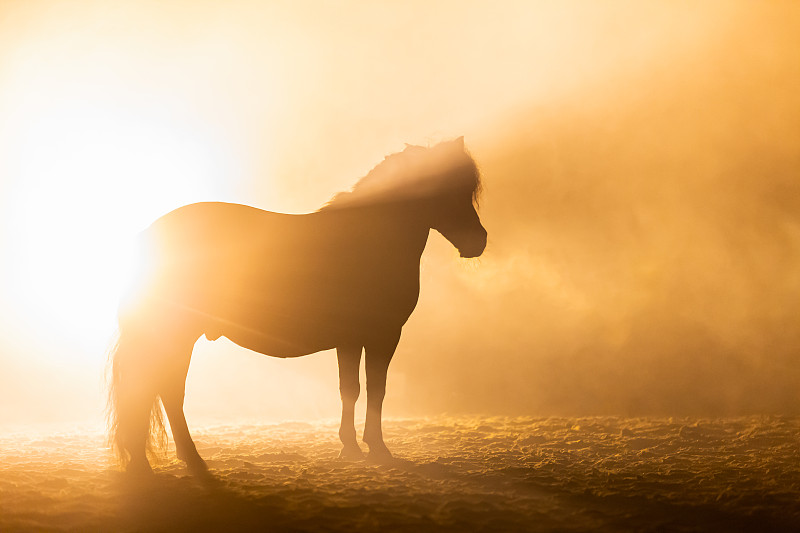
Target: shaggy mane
(415, 173)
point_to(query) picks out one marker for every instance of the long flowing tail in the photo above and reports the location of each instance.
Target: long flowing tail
(134, 415)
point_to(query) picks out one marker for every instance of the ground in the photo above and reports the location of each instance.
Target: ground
(449, 474)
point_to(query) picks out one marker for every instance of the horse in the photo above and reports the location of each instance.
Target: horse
(344, 277)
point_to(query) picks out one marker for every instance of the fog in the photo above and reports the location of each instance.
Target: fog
(641, 164)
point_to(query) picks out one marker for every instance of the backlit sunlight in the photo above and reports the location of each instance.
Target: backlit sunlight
(92, 177)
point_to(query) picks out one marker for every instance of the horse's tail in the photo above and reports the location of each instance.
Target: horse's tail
(134, 414)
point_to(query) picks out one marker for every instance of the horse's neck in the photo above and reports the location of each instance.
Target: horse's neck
(413, 223)
(404, 225)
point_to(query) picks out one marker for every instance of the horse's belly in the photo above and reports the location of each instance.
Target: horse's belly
(279, 336)
(276, 347)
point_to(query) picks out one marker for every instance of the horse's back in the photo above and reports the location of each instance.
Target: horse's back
(230, 251)
(220, 225)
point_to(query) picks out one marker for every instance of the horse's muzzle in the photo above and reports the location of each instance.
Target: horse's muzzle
(474, 247)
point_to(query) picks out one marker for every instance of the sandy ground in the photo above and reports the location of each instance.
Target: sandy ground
(449, 474)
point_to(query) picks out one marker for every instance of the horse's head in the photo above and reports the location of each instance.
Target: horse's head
(457, 220)
(454, 214)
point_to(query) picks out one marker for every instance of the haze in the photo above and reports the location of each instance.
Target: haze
(642, 171)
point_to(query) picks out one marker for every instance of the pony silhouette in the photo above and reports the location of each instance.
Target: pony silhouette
(344, 277)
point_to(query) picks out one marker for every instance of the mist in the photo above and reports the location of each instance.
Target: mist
(641, 168)
(645, 245)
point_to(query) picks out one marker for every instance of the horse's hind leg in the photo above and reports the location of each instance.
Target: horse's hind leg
(349, 359)
(172, 392)
(136, 403)
(133, 397)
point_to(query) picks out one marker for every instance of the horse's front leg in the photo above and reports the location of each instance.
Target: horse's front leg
(378, 356)
(349, 362)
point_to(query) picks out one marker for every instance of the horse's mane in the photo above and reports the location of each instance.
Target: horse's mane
(415, 173)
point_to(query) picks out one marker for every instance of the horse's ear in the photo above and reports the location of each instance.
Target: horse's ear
(460, 142)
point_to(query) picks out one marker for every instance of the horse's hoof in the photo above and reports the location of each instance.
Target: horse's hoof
(197, 466)
(351, 453)
(379, 454)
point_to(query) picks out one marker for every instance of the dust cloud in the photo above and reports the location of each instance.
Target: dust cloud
(644, 245)
(641, 166)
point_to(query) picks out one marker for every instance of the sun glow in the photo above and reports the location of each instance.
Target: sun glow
(93, 178)
(98, 141)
